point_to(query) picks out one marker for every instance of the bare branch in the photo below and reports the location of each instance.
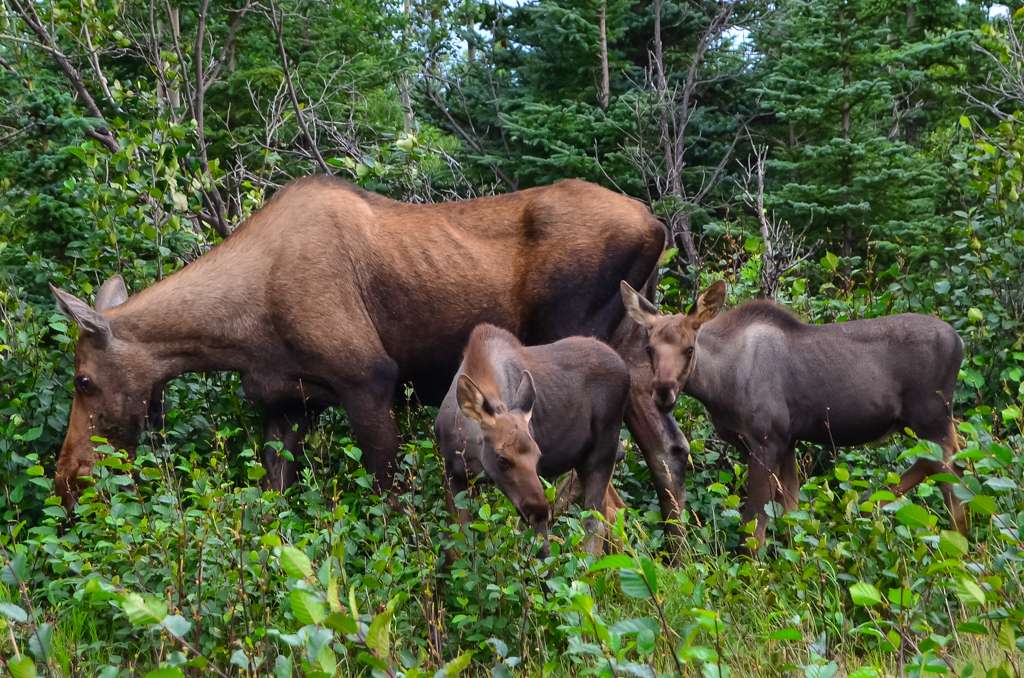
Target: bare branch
(783, 250)
(101, 132)
(278, 26)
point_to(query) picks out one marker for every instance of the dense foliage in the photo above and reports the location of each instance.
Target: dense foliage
(852, 158)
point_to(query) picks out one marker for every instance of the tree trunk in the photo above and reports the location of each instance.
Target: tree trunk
(403, 81)
(604, 94)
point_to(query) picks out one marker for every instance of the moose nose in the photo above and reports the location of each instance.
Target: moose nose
(537, 513)
(664, 395)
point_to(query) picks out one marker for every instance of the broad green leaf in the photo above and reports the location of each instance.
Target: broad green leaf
(13, 612)
(143, 611)
(865, 594)
(645, 641)
(176, 625)
(914, 516)
(983, 504)
(282, 667)
(378, 637)
(340, 622)
(969, 591)
(456, 666)
(22, 668)
(295, 563)
(633, 584)
(786, 634)
(306, 607)
(166, 672)
(650, 573)
(614, 561)
(953, 543)
(903, 597)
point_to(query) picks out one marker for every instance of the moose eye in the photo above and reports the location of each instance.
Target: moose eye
(689, 351)
(504, 463)
(650, 352)
(83, 384)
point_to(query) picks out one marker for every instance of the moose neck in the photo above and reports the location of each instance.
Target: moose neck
(205, 317)
(705, 380)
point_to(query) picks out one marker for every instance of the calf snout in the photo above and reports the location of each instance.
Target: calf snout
(537, 513)
(665, 394)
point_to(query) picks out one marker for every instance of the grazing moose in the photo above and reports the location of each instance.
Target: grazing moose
(516, 414)
(333, 295)
(769, 380)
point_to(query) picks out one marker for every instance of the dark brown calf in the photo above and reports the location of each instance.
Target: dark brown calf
(515, 414)
(769, 380)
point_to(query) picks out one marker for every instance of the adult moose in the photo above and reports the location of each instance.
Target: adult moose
(333, 295)
(518, 414)
(769, 380)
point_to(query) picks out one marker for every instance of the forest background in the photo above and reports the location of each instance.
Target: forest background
(849, 158)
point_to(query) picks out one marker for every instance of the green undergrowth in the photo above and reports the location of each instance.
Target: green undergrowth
(178, 564)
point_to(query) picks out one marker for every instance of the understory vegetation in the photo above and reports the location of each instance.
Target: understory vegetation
(848, 158)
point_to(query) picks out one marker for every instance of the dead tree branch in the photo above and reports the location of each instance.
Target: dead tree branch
(101, 131)
(277, 22)
(783, 249)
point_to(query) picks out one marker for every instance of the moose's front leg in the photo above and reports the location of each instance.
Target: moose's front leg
(761, 483)
(285, 424)
(368, 406)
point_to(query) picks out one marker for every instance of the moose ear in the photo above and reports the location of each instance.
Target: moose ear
(473, 402)
(526, 394)
(112, 293)
(709, 303)
(88, 319)
(639, 309)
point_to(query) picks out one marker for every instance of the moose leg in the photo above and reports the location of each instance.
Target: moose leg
(665, 451)
(922, 468)
(595, 487)
(788, 482)
(286, 424)
(764, 462)
(369, 414)
(657, 435)
(570, 491)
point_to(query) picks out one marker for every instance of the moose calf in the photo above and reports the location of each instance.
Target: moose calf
(769, 380)
(517, 413)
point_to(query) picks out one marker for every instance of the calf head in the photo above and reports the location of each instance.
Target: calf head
(113, 387)
(508, 453)
(672, 339)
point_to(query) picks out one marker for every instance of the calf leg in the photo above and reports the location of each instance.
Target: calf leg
(288, 425)
(595, 486)
(570, 491)
(922, 468)
(788, 484)
(761, 484)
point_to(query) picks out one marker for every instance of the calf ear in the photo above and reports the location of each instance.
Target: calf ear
(639, 309)
(473, 402)
(88, 319)
(112, 293)
(709, 303)
(526, 394)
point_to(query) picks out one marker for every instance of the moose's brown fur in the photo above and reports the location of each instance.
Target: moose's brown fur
(517, 414)
(769, 380)
(333, 295)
